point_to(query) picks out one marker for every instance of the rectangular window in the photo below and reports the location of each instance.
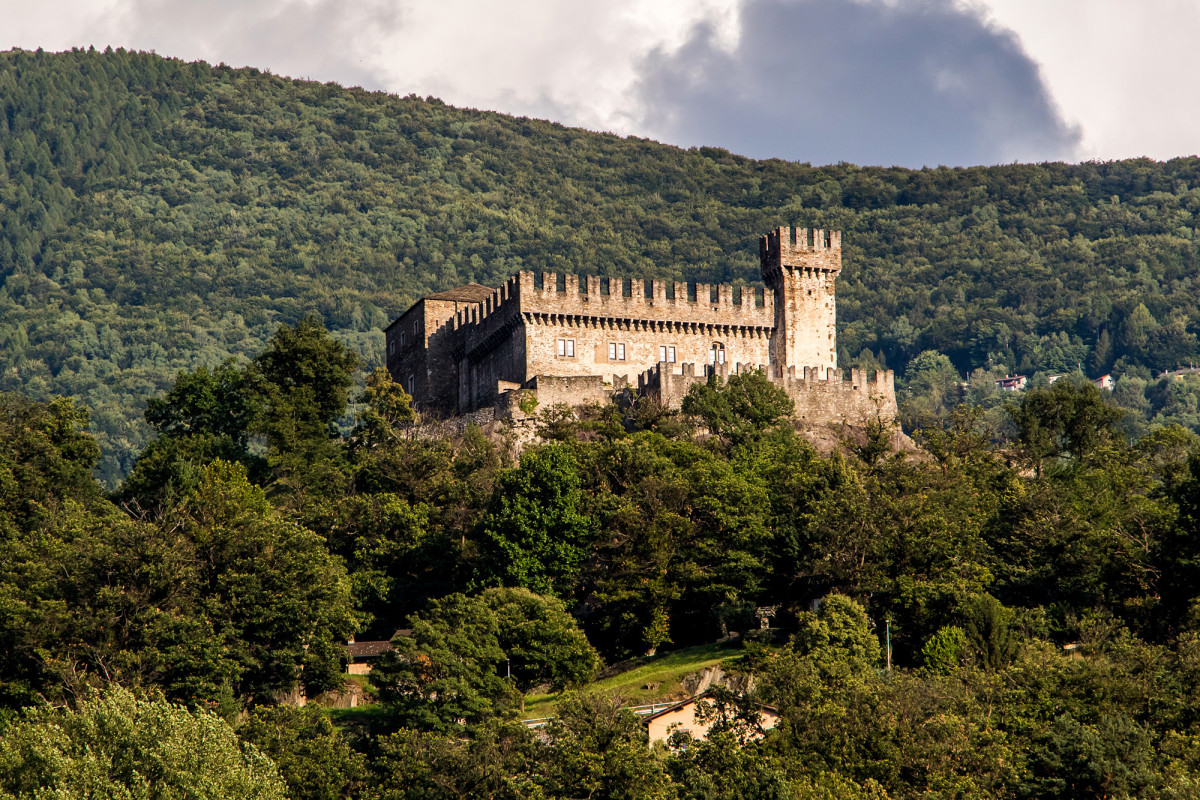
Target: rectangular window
(392, 347)
(401, 337)
(666, 353)
(616, 351)
(412, 385)
(566, 348)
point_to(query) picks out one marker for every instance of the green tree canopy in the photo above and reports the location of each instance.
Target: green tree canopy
(115, 745)
(743, 408)
(542, 643)
(1066, 418)
(535, 534)
(446, 673)
(838, 632)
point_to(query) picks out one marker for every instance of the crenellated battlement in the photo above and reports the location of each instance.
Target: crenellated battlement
(478, 313)
(625, 298)
(800, 248)
(853, 396)
(648, 300)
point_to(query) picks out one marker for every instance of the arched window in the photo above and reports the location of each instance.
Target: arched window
(717, 356)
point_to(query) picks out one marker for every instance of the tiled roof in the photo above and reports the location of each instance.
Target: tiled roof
(372, 649)
(470, 293)
(367, 649)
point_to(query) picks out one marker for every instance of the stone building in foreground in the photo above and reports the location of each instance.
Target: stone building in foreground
(574, 339)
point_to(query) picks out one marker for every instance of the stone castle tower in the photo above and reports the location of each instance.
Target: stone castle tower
(800, 265)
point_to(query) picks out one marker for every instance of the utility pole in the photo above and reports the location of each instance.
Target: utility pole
(889, 644)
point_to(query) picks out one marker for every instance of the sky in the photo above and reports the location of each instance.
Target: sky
(881, 82)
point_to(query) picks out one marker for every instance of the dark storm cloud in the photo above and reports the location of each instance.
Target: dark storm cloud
(322, 39)
(909, 83)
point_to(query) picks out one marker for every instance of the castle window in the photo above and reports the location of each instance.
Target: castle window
(717, 356)
(666, 353)
(411, 385)
(616, 351)
(566, 348)
(400, 335)
(392, 347)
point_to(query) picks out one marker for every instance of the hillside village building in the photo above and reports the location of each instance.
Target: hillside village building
(575, 339)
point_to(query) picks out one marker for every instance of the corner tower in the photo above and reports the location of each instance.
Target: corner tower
(800, 265)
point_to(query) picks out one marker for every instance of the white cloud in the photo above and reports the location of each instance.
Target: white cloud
(870, 81)
(570, 61)
(1125, 71)
(1121, 71)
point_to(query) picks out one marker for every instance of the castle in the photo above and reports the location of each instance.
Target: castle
(573, 339)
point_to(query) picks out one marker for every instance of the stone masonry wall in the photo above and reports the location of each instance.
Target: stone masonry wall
(514, 335)
(638, 344)
(821, 396)
(490, 346)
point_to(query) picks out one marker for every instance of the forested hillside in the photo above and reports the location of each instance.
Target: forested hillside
(1011, 622)
(159, 215)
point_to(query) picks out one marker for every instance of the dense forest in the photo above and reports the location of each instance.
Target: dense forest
(1013, 614)
(159, 215)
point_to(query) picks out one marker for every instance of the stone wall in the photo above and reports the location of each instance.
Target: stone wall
(490, 346)
(403, 355)
(821, 396)
(574, 390)
(438, 381)
(514, 335)
(638, 344)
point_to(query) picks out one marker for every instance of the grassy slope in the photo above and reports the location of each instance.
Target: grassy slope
(665, 673)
